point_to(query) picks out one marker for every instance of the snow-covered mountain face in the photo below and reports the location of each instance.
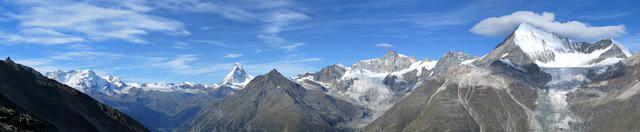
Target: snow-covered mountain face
(88, 81)
(566, 64)
(375, 83)
(528, 44)
(237, 78)
(390, 62)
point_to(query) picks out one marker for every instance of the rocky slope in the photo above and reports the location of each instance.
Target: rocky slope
(375, 83)
(272, 102)
(31, 101)
(525, 84)
(608, 101)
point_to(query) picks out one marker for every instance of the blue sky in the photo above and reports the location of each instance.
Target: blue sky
(198, 41)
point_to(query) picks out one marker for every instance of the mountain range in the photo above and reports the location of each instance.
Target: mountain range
(532, 81)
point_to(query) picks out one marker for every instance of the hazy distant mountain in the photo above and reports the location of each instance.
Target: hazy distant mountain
(159, 106)
(32, 102)
(272, 102)
(89, 82)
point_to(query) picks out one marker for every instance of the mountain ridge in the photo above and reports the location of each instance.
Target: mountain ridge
(61, 106)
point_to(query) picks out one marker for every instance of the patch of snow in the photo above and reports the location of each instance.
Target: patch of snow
(361, 73)
(468, 62)
(625, 50)
(504, 55)
(510, 64)
(416, 66)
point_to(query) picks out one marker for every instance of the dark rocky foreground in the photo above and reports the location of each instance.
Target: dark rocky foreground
(32, 102)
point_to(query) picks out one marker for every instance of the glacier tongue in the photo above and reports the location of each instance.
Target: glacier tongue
(553, 111)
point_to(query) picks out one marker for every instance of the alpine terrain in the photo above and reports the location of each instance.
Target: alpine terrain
(32, 102)
(159, 106)
(532, 81)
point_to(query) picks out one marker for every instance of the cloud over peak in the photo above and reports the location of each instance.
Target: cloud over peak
(502, 25)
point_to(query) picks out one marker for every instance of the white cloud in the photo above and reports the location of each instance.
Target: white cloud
(216, 43)
(33, 62)
(385, 45)
(226, 10)
(205, 28)
(181, 45)
(287, 67)
(232, 56)
(184, 65)
(427, 20)
(92, 22)
(495, 26)
(40, 64)
(79, 46)
(274, 15)
(177, 64)
(84, 55)
(277, 20)
(272, 40)
(39, 36)
(292, 47)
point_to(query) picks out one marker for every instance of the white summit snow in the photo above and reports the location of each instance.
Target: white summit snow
(550, 50)
(88, 81)
(237, 78)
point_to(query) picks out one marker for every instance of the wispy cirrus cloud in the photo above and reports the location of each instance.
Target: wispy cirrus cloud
(275, 16)
(232, 56)
(40, 64)
(73, 21)
(181, 45)
(277, 20)
(39, 36)
(211, 42)
(291, 47)
(495, 26)
(84, 55)
(178, 64)
(386, 45)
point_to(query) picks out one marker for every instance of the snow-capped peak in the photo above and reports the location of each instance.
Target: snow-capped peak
(627, 52)
(533, 40)
(237, 78)
(551, 50)
(88, 81)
